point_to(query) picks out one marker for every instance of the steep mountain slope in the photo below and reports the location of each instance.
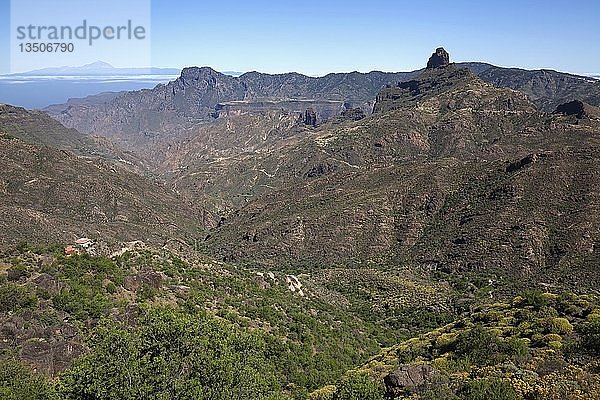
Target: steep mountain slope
(49, 194)
(38, 127)
(546, 88)
(445, 177)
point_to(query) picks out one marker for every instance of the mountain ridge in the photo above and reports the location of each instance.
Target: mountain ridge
(98, 68)
(169, 110)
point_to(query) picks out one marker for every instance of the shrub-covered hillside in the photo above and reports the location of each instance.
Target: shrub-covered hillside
(145, 323)
(541, 346)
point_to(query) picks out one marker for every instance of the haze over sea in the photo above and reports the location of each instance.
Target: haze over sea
(41, 91)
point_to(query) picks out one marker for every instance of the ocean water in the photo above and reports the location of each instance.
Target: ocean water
(35, 92)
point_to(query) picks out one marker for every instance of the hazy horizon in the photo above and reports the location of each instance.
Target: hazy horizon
(235, 73)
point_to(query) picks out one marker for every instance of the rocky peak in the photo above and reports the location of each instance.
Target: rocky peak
(190, 74)
(445, 86)
(440, 58)
(194, 71)
(431, 83)
(579, 109)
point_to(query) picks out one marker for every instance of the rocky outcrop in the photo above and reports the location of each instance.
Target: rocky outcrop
(47, 349)
(579, 109)
(48, 283)
(310, 117)
(145, 277)
(353, 114)
(452, 88)
(440, 58)
(408, 377)
(50, 357)
(320, 170)
(530, 159)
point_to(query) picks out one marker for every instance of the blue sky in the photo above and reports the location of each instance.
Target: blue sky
(317, 37)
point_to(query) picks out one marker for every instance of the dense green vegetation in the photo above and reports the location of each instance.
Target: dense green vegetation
(158, 326)
(289, 344)
(541, 346)
(173, 355)
(18, 382)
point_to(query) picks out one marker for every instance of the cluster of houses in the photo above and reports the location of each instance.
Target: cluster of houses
(81, 245)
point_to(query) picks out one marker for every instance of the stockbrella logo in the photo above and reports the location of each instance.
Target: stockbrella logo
(50, 34)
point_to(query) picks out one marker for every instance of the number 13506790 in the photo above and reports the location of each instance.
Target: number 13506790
(33, 47)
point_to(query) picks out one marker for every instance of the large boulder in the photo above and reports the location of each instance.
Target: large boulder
(407, 377)
(146, 276)
(50, 358)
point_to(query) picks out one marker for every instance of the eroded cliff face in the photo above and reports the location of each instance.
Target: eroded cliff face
(200, 93)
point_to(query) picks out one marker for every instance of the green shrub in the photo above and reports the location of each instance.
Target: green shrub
(482, 346)
(565, 303)
(478, 345)
(325, 393)
(487, 389)
(412, 353)
(48, 316)
(16, 272)
(358, 386)
(111, 288)
(534, 298)
(19, 383)
(82, 301)
(590, 336)
(560, 326)
(439, 392)
(146, 292)
(593, 317)
(516, 348)
(14, 297)
(81, 267)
